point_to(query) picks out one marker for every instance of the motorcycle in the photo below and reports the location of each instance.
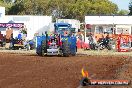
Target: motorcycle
(104, 43)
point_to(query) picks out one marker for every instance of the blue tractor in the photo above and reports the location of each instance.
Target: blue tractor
(62, 42)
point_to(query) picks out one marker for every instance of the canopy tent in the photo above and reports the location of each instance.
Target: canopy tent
(126, 20)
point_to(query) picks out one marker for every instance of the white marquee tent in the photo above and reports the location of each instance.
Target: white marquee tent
(125, 20)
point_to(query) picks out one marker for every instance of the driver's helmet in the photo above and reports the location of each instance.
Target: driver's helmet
(66, 32)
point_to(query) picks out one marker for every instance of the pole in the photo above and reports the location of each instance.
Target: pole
(85, 31)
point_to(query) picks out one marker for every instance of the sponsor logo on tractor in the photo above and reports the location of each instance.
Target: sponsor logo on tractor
(64, 38)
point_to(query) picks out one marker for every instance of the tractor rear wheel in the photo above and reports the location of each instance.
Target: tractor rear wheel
(65, 49)
(40, 54)
(44, 48)
(74, 52)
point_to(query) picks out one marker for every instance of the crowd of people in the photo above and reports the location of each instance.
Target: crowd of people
(93, 43)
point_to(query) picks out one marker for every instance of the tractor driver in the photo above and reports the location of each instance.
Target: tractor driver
(66, 32)
(91, 41)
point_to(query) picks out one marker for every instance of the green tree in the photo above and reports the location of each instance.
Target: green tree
(123, 12)
(8, 1)
(16, 8)
(6, 5)
(130, 7)
(75, 9)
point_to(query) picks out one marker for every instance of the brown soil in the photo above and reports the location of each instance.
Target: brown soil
(32, 71)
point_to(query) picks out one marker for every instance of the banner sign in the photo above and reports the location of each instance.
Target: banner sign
(11, 25)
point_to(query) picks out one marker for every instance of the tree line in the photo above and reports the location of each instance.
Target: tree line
(70, 9)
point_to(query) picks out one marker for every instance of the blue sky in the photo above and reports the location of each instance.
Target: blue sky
(122, 4)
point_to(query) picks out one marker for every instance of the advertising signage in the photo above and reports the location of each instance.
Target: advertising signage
(11, 25)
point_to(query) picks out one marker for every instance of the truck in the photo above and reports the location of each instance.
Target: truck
(61, 42)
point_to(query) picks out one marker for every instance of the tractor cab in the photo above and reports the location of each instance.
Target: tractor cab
(64, 29)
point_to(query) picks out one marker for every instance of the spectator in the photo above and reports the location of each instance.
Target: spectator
(91, 42)
(101, 39)
(107, 39)
(81, 38)
(31, 44)
(73, 34)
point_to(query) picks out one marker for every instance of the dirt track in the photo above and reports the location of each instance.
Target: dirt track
(31, 71)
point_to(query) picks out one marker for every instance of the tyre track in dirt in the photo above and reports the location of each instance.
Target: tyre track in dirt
(125, 73)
